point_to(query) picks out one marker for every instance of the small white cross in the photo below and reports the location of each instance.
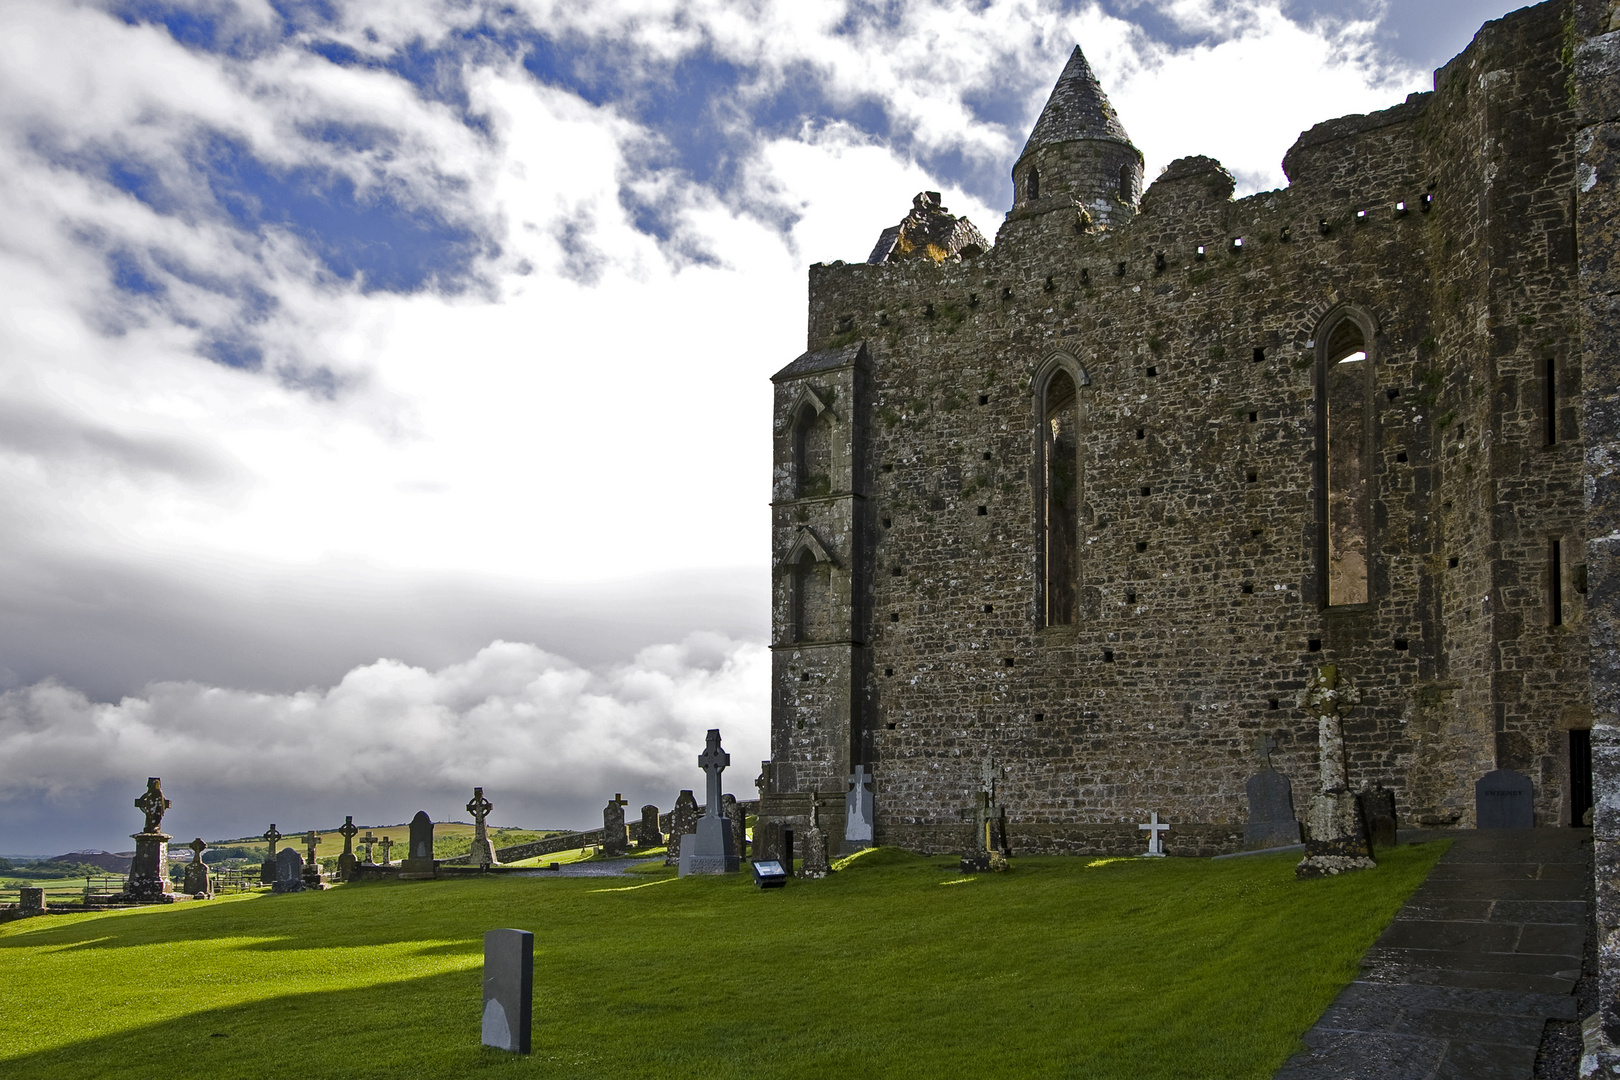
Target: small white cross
(1155, 840)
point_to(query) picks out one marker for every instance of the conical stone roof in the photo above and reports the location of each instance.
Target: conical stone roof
(1077, 109)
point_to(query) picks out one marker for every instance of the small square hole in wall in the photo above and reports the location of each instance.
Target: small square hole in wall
(889, 671)
(889, 727)
(987, 455)
(1256, 533)
(1130, 596)
(887, 467)
(984, 399)
(1006, 661)
(1141, 433)
(1254, 416)
(1401, 457)
(801, 725)
(1400, 644)
(1147, 491)
(988, 608)
(887, 523)
(1274, 704)
(895, 570)
(1392, 393)
(1259, 356)
(1153, 372)
(1040, 716)
(894, 616)
(1452, 562)
(1119, 270)
(1108, 656)
(1252, 476)
(804, 676)
(984, 511)
(1248, 588)
(1314, 645)
(1141, 545)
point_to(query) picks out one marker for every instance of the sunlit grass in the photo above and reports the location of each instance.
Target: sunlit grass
(1063, 967)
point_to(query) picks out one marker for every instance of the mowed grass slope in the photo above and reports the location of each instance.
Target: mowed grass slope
(896, 967)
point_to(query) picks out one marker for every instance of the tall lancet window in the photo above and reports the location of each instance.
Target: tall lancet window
(1346, 376)
(1060, 440)
(812, 453)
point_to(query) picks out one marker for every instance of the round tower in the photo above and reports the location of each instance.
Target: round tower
(1079, 150)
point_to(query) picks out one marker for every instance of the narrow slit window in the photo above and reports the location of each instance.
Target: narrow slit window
(1555, 583)
(1032, 185)
(1061, 518)
(1345, 396)
(1125, 183)
(1549, 400)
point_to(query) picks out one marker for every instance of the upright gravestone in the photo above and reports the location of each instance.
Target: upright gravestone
(614, 839)
(31, 900)
(739, 823)
(267, 871)
(508, 989)
(197, 882)
(346, 861)
(858, 811)
(369, 842)
(483, 852)
(682, 820)
(813, 862)
(1271, 805)
(149, 870)
(418, 862)
(387, 845)
(709, 850)
(289, 871)
(1378, 807)
(312, 865)
(771, 844)
(650, 835)
(1504, 799)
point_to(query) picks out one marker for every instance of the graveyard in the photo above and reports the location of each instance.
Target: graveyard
(895, 964)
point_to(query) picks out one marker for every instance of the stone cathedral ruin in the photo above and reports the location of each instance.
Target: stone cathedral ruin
(1096, 502)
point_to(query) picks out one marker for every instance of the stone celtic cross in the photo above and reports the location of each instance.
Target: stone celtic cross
(1330, 699)
(348, 831)
(197, 846)
(479, 808)
(272, 837)
(152, 804)
(713, 761)
(311, 840)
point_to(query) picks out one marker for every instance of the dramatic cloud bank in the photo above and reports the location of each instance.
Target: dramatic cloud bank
(549, 741)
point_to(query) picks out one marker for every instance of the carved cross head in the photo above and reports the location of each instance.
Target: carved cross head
(197, 846)
(479, 807)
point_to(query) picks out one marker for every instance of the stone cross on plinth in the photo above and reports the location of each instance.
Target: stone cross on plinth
(312, 865)
(312, 840)
(267, 872)
(197, 846)
(387, 844)
(483, 852)
(614, 839)
(1336, 837)
(368, 841)
(152, 804)
(196, 881)
(710, 850)
(346, 861)
(1155, 832)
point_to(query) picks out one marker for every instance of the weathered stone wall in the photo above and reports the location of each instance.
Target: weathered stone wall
(1443, 224)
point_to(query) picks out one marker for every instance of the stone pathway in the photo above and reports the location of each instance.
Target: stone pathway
(1462, 983)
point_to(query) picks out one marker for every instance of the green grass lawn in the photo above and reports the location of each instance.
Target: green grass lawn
(895, 967)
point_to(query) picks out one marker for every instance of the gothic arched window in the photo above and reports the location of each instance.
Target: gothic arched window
(812, 453)
(1345, 397)
(1125, 184)
(1060, 524)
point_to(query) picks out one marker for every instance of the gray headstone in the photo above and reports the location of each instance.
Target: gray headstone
(682, 820)
(858, 810)
(31, 900)
(508, 989)
(289, 871)
(651, 835)
(768, 845)
(614, 839)
(1504, 799)
(1378, 806)
(1271, 811)
(418, 861)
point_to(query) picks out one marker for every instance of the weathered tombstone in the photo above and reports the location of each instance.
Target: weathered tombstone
(1504, 799)
(368, 841)
(418, 862)
(1271, 805)
(1378, 809)
(984, 852)
(858, 811)
(1335, 828)
(312, 865)
(682, 820)
(149, 870)
(483, 852)
(650, 835)
(197, 882)
(267, 872)
(346, 861)
(1155, 830)
(813, 862)
(739, 823)
(289, 871)
(768, 844)
(614, 839)
(508, 989)
(31, 900)
(709, 850)
(387, 845)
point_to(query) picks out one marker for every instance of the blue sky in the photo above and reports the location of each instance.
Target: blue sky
(346, 342)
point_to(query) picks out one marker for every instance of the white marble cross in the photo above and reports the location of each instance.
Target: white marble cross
(1155, 837)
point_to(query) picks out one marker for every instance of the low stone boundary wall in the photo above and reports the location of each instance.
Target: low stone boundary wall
(575, 840)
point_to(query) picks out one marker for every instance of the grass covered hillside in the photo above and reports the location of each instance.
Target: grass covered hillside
(895, 967)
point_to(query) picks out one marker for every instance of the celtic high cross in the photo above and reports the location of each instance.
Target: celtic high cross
(152, 804)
